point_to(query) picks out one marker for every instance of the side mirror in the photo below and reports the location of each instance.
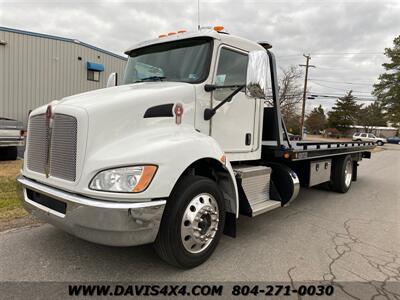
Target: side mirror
(257, 74)
(112, 80)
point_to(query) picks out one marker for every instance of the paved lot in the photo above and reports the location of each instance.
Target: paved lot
(322, 235)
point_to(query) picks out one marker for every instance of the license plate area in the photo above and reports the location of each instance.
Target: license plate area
(47, 201)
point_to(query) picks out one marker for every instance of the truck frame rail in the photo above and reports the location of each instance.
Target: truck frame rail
(306, 150)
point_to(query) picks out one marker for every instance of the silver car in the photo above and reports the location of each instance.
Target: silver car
(368, 137)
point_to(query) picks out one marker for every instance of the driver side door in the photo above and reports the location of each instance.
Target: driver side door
(233, 126)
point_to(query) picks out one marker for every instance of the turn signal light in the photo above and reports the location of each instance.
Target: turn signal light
(218, 28)
(145, 179)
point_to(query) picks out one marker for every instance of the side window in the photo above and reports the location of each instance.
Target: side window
(232, 70)
(364, 135)
(93, 75)
(371, 135)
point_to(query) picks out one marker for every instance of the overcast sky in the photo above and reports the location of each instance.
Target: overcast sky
(346, 39)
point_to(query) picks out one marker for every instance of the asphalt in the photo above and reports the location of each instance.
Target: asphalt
(321, 236)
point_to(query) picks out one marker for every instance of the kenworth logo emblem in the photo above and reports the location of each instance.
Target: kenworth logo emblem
(49, 125)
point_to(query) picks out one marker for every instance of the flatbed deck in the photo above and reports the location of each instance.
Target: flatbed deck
(305, 150)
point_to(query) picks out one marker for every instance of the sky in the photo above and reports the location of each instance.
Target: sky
(346, 39)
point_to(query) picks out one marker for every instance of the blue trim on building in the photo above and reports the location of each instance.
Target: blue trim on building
(94, 66)
(53, 37)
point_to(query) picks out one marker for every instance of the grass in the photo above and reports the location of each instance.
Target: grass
(10, 205)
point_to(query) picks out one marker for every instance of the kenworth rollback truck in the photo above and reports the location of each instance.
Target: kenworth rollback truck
(191, 139)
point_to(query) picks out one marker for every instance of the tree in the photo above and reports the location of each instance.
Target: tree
(290, 93)
(387, 90)
(372, 116)
(344, 113)
(316, 120)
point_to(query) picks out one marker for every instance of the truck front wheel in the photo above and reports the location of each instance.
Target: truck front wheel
(342, 174)
(192, 222)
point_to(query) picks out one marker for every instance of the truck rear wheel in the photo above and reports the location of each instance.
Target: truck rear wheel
(192, 223)
(342, 174)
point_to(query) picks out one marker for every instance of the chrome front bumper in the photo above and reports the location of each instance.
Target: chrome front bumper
(103, 222)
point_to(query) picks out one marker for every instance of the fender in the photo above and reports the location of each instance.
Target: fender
(172, 148)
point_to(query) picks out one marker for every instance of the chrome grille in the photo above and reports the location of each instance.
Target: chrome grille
(37, 143)
(63, 149)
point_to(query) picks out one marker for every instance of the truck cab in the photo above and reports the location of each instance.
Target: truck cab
(191, 138)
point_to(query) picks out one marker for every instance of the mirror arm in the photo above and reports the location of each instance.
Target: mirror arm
(210, 112)
(213, 87)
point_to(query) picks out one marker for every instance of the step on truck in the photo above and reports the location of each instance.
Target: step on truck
(188, 141)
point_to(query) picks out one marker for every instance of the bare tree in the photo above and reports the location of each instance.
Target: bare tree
(290, 92)
(290, 96)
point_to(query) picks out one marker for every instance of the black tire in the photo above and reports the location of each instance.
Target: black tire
(8, 153)
(168, 244)
(12, 153)
(380, 143)
(3, 153)
(338, 174)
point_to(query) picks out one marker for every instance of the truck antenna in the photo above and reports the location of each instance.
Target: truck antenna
(198, 14)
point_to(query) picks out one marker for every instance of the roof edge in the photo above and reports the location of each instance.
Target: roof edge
(53, 37)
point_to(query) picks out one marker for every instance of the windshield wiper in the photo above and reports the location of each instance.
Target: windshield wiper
(151, 78)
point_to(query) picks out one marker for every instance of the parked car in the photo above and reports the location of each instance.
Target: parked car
(11, 137)
(394, 140)
(368, 137)
(293, 137)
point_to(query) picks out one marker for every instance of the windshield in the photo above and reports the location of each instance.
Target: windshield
(184, 61)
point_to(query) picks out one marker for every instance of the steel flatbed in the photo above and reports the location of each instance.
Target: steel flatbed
(307, 150)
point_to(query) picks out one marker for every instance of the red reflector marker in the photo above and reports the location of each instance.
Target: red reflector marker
(178, 113)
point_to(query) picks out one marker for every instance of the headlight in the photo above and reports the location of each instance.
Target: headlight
(128, 180)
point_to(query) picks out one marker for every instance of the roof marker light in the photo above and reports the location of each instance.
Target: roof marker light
(218, 28)
(162, 35)
(171, 33)
(182, 31)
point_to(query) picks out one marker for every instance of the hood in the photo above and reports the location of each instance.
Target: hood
(129, 92)
(118, 113)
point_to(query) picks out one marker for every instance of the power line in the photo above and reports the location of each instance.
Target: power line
(339, 89)
(348, 53)
(335, 54)
(313, 96)
(344, 82)
(341, 95)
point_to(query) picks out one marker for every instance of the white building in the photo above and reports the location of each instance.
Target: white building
(37, 68)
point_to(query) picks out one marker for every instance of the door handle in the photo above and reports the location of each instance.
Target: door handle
(248, 139)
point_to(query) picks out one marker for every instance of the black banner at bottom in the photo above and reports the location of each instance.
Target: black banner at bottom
(201, 290)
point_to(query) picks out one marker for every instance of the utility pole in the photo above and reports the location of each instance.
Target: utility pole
(198, 14)
(303, 111)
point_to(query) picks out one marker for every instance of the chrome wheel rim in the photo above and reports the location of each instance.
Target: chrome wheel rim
(200, 223)
(348, 173)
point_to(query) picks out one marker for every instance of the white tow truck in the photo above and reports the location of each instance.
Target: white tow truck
(189, 140)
